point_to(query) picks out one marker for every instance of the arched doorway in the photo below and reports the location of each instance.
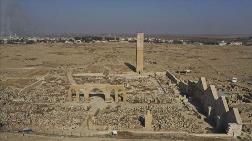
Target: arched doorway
(97, 99)
(82, 95)
(96, 93)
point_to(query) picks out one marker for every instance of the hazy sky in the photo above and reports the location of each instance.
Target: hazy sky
(127, 16)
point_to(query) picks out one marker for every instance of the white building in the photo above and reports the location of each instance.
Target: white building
(222, 43)
(5, 41)
(236, 43)
(170, 41)
(78, 41)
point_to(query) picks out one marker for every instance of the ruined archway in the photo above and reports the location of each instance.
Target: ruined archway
(107, 92)
(81, 95)
(97, 93)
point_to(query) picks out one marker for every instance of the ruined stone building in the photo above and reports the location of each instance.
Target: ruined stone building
(82, 93)
(215, 107)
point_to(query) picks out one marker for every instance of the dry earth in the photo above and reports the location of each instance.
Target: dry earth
(22, 66)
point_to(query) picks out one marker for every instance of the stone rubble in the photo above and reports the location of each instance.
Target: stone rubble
(43, 107)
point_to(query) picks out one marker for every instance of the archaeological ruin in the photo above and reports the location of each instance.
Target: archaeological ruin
(212, 105)
(215, 107)
(139, 53)
(70, 101)
(109, 92)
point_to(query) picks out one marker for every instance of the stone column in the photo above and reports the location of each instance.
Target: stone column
(116, 97)
(124, 97)
(107, 97)
(139, 53)
(69, 96)
(148, 120)
(86, 96)
(78, 95)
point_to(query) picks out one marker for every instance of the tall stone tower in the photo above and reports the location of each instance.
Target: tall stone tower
(139, 53)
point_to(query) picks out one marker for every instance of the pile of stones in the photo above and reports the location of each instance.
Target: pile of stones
(41, 107)
(165, 117)
(52, 90)
(41, 117)
(150, 98)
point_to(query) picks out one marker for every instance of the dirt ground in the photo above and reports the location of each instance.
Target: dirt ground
(21, 65)
(31, 137)
(217, 63)
(208, 61)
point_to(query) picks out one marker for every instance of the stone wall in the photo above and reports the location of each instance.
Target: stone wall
(183, 87)
(197, 89)
(172, 77)
(215, 107)
(234, 129)
(233, 116)
(221, 107)
(209, 99)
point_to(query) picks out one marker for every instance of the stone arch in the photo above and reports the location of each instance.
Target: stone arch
(109, 93)
(97, 92)
(81, 95)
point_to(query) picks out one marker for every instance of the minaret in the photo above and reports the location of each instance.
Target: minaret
(139, 53)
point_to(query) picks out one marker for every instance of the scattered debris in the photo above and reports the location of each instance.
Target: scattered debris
(26, 130)
(234, 80)
(184, 71)
(114, 132)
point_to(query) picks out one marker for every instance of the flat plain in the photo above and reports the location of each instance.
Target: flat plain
(21, 65)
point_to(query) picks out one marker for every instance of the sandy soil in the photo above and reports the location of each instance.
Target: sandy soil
(31, 137)
(21, 64)
(202, 60)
